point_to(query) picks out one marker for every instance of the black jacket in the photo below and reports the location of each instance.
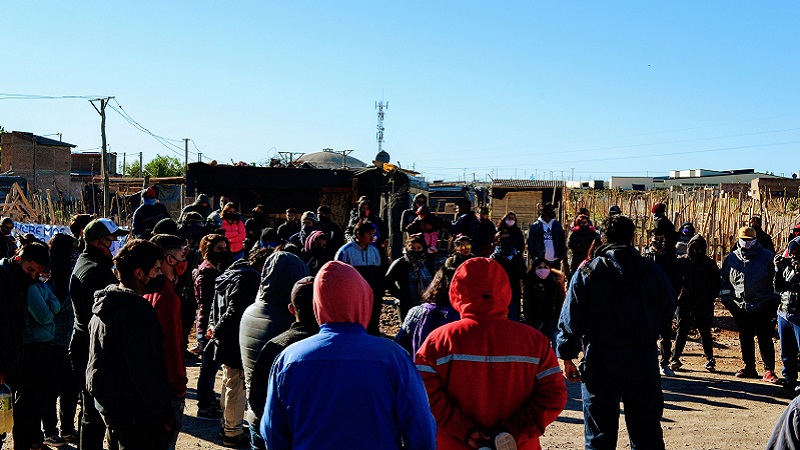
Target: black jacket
(614, 310)
(699, 279)
(8, 246)
(13, 305)
(542, 299)
(235, 290)
(145, 219)
(92, 273)
(257, 394)
(484, 237)
(127, 375)
(288, 229)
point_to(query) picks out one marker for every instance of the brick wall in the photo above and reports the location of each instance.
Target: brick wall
(52, 162)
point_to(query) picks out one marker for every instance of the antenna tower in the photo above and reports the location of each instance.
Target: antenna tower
(380, 106)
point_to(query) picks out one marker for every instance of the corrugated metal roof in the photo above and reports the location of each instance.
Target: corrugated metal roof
(43, 140)
(528, 183)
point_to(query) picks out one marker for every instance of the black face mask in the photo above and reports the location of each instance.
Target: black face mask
(221, 259)
(416, 254)
(155, 284)
(230, 216)
(259, 216)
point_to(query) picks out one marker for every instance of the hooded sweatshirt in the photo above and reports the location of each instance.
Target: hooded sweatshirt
(747, 279)
(198, 207)
(343, 388)
(699, 277)
(461, 363)
(127, 374)
(235, 290)
(269, 316)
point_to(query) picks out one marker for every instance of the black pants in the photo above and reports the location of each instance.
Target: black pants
(137, 433)
(65, 393)
(638, 389)
(665, 345)
(760, 324)
(700, 318)
(31, 385)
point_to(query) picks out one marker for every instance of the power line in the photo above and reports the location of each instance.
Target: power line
(45, 97)
(164, 141)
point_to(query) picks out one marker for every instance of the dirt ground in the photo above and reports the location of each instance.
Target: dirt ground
(702, 410)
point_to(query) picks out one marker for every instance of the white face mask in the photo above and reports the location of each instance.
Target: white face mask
(543, 273)
(747, 244)
(510, 222)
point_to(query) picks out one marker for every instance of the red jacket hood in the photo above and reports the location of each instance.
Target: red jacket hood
(341, 295)
(480, 289)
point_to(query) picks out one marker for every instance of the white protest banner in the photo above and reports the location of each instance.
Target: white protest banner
(42, 232)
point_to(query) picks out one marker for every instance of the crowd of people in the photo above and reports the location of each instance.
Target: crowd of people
(289, 318)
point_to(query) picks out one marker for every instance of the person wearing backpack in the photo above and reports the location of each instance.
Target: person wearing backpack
(434, 312)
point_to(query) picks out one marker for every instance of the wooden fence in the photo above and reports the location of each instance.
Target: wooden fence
(715, 214)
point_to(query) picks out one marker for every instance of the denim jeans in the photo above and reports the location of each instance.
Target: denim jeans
(789, 332)
(205, 381)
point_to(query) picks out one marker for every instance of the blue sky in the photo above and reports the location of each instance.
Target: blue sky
(501, 89)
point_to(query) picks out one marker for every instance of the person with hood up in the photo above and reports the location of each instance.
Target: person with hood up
(269, 315)
(408, 277)
(201, 205)
(786, 434)
(309, 224)
(253, 227)
(613, 313)
(329, 227)
(747, 291)
(685, 234)
(315, 250)
(167, 305)
(127, 374)
(489, 379)
(699, 288)
(463, 252)
(581, 238)
(148, 214)
(305, 325)
(370, 396)
(787, 284)
(543, 296)
(235, 290)
(510, 225)
(514, 264)
(546, 238)
(216, 259)
(92, 272)
(8, 242)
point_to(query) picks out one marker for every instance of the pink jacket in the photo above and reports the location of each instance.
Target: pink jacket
(235, 233)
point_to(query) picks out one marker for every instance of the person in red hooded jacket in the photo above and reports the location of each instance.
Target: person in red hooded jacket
(489, 378)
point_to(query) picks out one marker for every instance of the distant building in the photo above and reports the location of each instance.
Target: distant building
(44, 162)
(774, 187)
(524, 198)
(738, 180)
(329, 159)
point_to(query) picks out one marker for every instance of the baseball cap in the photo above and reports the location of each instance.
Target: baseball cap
(746, 233)
(100, 228)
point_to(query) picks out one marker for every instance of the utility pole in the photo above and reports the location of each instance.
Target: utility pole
(199, 157)
(141, 167)
(185, 171)
(104, 154)
(34, 163)
(123, 163)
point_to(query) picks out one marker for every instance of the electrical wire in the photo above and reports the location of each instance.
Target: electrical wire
(164, 141)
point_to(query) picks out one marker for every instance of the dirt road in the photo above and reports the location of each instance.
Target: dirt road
(702, 410)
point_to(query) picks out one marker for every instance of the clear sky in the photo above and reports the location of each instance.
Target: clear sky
(501, 89)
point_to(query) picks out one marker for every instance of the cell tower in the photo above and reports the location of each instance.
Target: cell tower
(380, 106)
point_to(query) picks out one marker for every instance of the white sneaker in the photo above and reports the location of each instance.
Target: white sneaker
(666, 372)
(505, 441)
